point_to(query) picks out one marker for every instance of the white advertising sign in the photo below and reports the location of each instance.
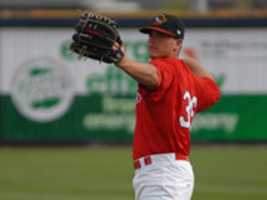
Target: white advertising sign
(237, 57)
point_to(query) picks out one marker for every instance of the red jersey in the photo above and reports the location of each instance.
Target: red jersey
(164, 115)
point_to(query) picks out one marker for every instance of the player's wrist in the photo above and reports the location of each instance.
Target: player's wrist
(123, 62)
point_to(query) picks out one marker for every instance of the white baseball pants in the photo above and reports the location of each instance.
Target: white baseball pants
(164, 179)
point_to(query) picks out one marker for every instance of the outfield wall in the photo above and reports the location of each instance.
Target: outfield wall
(47, 95)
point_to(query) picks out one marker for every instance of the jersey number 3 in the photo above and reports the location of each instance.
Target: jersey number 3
(191, 103)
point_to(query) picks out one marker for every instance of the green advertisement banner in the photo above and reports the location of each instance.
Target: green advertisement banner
(104, 118)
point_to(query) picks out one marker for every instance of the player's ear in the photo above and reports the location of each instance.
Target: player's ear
(177, 45)
(179, 42)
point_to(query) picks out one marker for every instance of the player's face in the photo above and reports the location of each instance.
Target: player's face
(161, 45)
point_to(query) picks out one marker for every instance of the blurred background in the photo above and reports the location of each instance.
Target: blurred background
(66, 125)
(138, 5)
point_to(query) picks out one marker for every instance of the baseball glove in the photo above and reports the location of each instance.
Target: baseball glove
(97, 37)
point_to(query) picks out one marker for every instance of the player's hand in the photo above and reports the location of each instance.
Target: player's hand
(117, 46)
(190, 53)
(190, 57)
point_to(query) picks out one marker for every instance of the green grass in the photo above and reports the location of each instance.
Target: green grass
(222, 173)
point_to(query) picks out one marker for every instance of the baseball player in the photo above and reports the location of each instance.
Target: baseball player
(170, 92)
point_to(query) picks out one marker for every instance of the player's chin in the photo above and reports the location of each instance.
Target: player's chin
(153, 54)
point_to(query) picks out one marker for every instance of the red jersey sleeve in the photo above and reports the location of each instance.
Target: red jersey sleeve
(166, 73)
(208, 93)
